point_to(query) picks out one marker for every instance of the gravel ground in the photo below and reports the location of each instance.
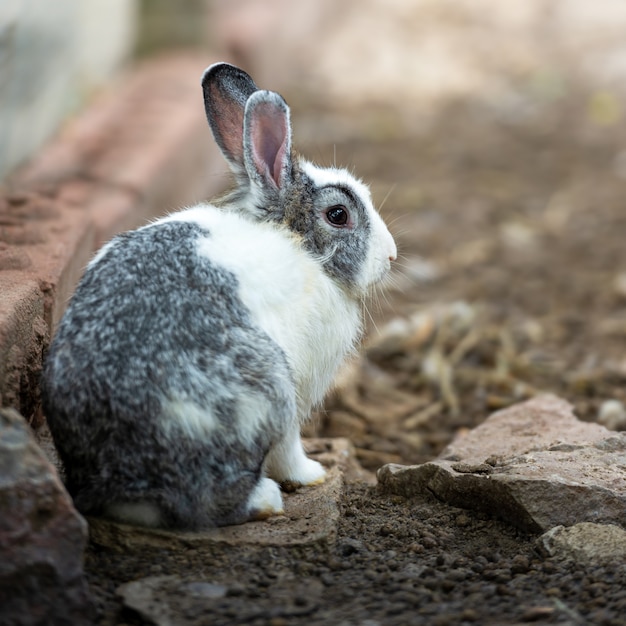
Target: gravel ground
(395, 562)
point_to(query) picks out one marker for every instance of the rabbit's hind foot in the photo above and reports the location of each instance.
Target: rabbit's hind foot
(265, 500)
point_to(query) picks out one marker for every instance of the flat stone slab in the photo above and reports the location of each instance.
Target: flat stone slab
(534, 465)
(310, 519)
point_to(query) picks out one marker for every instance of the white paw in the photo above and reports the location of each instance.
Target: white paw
(265, 499)
(307, 472)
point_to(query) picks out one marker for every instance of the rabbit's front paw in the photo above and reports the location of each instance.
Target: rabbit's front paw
(265, 500)
(287, 463)
(307, 472)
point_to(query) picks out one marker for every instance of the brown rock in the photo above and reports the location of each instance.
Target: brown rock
(23, 335)
(534, 465)
(42, 537)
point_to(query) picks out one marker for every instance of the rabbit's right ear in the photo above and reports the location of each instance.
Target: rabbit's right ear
(226, 90)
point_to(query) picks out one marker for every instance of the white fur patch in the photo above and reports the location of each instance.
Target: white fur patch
(193, 420)
(252, 412)
(323, 176)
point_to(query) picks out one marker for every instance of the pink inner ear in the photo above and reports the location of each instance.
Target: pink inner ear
(230, 124)
(269, 135)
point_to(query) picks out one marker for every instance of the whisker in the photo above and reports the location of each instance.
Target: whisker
(394, 220)
(391, 190)
(371, 318)
(392, 283)
(325, 258)
(382, 300)
(398, 233)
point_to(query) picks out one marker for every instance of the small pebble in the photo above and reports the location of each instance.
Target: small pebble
(462, 520)
(385, 530)
(537, 613)
(520, 564)
(612, 414)
(469, 615)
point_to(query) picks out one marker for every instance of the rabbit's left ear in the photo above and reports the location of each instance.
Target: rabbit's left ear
(267, 140)
(226, 90)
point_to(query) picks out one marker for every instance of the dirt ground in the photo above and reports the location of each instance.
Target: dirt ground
(511, 223)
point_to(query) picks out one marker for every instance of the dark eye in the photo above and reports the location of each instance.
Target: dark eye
(337, 215)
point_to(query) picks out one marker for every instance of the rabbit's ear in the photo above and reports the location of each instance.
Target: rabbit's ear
(267, 140)
(226, 90)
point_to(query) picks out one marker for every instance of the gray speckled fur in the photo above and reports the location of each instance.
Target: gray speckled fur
(140, 319)
(346, 250)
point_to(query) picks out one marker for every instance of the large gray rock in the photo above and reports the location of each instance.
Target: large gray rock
(42, 537)
(534, 465)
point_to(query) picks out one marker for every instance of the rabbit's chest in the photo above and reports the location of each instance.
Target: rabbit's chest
(309, 317)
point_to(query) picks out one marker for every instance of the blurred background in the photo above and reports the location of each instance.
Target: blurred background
(406, 55)
(493, 135)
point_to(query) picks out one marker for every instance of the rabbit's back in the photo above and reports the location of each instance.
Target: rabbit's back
(156, 373)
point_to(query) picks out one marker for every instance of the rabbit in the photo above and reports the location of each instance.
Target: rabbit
(194, 347)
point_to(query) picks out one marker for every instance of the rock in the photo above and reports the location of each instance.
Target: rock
(178, 601)
(612, 414)
(310, 519)
(585, 543)
(534, 465)
(42, 537)
(149, 598)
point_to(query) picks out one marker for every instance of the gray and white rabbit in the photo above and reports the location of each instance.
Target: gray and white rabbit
(195, 347)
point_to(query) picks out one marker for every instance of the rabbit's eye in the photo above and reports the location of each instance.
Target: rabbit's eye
(337, 215)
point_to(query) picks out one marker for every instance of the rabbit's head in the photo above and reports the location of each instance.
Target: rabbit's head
(327, 209)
